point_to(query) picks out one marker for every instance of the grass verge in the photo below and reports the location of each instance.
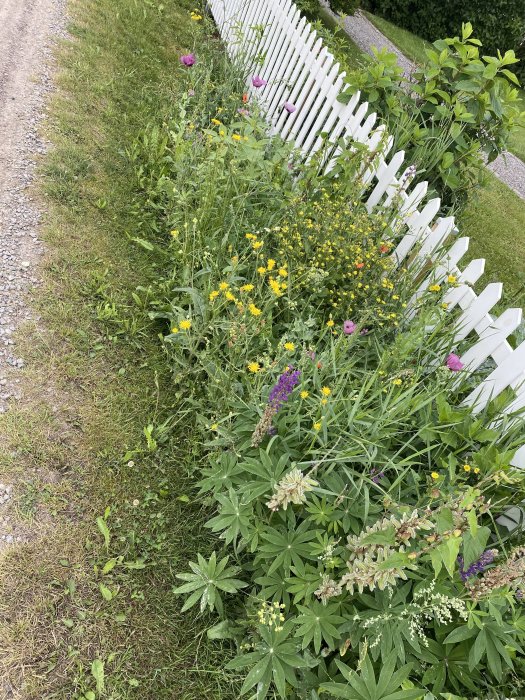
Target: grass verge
(87, 610)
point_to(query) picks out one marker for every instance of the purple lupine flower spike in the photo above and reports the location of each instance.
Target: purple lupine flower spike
(284, 387)
(478, 566)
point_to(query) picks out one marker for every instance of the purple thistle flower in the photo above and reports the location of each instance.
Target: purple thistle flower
(188, 59)
(258, 82)
(244, 112)
(454, 363)
(349, 327)
(289, 107)
(272, 430)
(478, 566)
(284, 387)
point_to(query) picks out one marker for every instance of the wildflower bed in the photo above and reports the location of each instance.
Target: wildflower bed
(354, 501)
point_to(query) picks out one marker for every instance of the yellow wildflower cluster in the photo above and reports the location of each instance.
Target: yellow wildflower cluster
(195, 16)
(340, 256)
(271, 615)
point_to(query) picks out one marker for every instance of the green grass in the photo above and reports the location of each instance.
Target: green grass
(74, 445)
(495, 222)
(409, 44)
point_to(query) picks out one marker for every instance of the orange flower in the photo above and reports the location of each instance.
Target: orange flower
(245, 98)
(359, 265)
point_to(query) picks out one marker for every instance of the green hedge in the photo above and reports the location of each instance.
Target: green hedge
(500, 24)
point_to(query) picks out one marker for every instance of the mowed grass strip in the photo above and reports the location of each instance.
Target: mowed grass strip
(85, 605)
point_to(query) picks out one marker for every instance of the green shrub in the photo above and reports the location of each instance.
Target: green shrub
(457, 111)
(499, 24)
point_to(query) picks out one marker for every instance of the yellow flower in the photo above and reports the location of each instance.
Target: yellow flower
(261, 270)
(434, 288)
(216, 122)
(246, 287)
(195, 16)
(270, 264)
(174, 330)
(435, 476)
(236, 137)
(222, 132)
(275, 287)
(174, 233)
(257, 244)
(317, 426)
(412, 555)
(283, 272)
(330, 323)
(397, 381)
(250, 237)
(235, 260)
(476, 470)
(223, 286)
(304, 394)
(289, 346)
(444, 305)
(185, 324)
(451, 279)
(214, 426)
(254, 310)
(326, 391)
(254, 367)
(214, 295)
(324, 402)
(229, 296)
(466, 467)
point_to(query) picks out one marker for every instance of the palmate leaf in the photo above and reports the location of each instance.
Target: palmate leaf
(365, 686)
(318, 623)
(286, 546)
(206, 582)
(275, 661)
(261, 475)
(223, 474)
(234, 518)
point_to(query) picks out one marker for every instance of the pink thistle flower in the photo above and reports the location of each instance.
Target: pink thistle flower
(258, 82)
(349, 327)
(188, 59)
(289, 107)
(454, 363)
(244, 112)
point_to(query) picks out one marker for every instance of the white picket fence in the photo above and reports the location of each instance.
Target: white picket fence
(273, 41)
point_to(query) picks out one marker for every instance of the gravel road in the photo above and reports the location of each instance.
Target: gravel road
(27, 31)
(27, 28)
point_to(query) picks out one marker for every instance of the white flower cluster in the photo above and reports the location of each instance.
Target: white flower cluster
(291, 489)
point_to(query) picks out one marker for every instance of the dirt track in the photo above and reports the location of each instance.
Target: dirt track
(26, 30)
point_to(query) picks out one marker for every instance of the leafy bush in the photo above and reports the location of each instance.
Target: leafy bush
(500, 25)
(457, 110)
(353, 506)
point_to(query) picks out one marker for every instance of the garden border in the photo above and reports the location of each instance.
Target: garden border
(274, 40)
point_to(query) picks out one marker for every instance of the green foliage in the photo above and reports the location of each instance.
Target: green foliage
(500, 24)
(206, 582)
(357, 501)
(459, 108)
